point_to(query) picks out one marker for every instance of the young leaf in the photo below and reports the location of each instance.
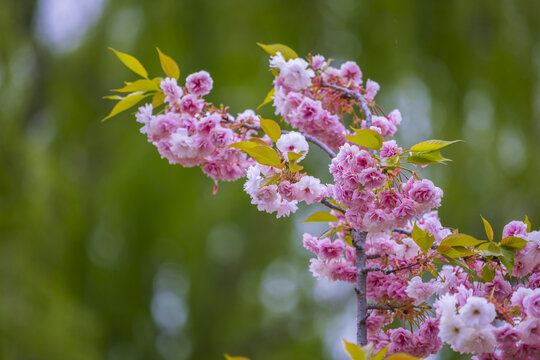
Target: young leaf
(169, 66)
(431, 145)
(460, 240)
(528, 223)
(422, 238)
(268, 99)
(367, 138)
(139, 85)
(244, 145)
(158, 99)
(488, 228)
(228, 357)
(489, 249)
(294, 156)
(264, 155)
(321, 216)
(131, 62)
(271, 128)
(487, 273)
(354, 351)
(259, 141)
(401, 356)
(380, 354)
(294, 167)
(286, 51)
(507, 258)
(426, 158)
(514, 242)
(124, 104)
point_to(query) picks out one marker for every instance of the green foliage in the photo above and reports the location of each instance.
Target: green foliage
(131, 62)
(321, 216)
(431, 145)
(422, 238)
(273, 49)
(268, 99)
(426, 158)
(125, 103)
(488, 228)
(367, 138)
(271, 128)
(169, 66)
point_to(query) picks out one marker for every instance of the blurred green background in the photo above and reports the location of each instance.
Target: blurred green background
(108, 252)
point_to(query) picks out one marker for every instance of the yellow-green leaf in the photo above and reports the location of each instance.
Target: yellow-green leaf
(268, 99)
(158, 99)
(295, 156)
(488, 228)
(431, 145)
(264, 155)
(380, 354)
(294, 167)
(259, 141)
(244, 145)
(139, 85)
(528, 223)
(169, 66)
(125, 104)
(354, 351)
(271, 128)
(228, 357)
(273, 49)
(113, 97)
(422, 238)
(426, 158)
(321, 216)
(367, 138)
(460, 240)
(401, 356)
(489, 249)
(514, 242)
(131, 62)
(487, 273)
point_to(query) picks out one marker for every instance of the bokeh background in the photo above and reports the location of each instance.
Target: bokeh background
(108, 252)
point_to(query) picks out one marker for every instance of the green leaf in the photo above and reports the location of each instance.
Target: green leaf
(426, 158)
(431, 145)
(487, 273)
(268, 98)
(380, 354)
(244, 145)
(514, 242)
(139, 85)
(271, 128)
(124, 104)
(401, 356)
(488, 228)
(489, 249)
(169, 66)
(354, 351)
(131, 62)
(367, 138)
(295, 156)
(528, 223)
(227, 357)
(460, 240)
(158, 99)
(294, 167)
(286, 51)
(507, 258)
(422, 238)
(271, 180)
(264, 155)
(321, 216)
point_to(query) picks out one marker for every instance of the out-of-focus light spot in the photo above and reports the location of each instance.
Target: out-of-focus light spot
(170, 277)
(341, 326)
(278, 288)
(62, 24)
(225, 243)
(169, 311)
(414, 103)
(173, 347)
(326, 291)
(105, 246)
(512, 150)
(478, 126)
(125, 26)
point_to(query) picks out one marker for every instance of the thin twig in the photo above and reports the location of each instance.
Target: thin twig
(373, 256)
(354, 95)
(309, 138)
(401, 231)
(382, 307)
(327, 203)
(389, 271)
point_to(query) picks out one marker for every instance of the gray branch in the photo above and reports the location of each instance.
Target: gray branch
(353, 95)
(328, 204)
(401, 231)
(389, 271)
(359, 242)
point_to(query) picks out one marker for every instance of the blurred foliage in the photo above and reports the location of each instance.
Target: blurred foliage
(108, 252)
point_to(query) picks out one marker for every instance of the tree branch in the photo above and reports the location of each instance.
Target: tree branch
(353, 95)
(390, 271)
(359, 242)
(401, 231)
(311, 139)
(382, 307)
(327, 203)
